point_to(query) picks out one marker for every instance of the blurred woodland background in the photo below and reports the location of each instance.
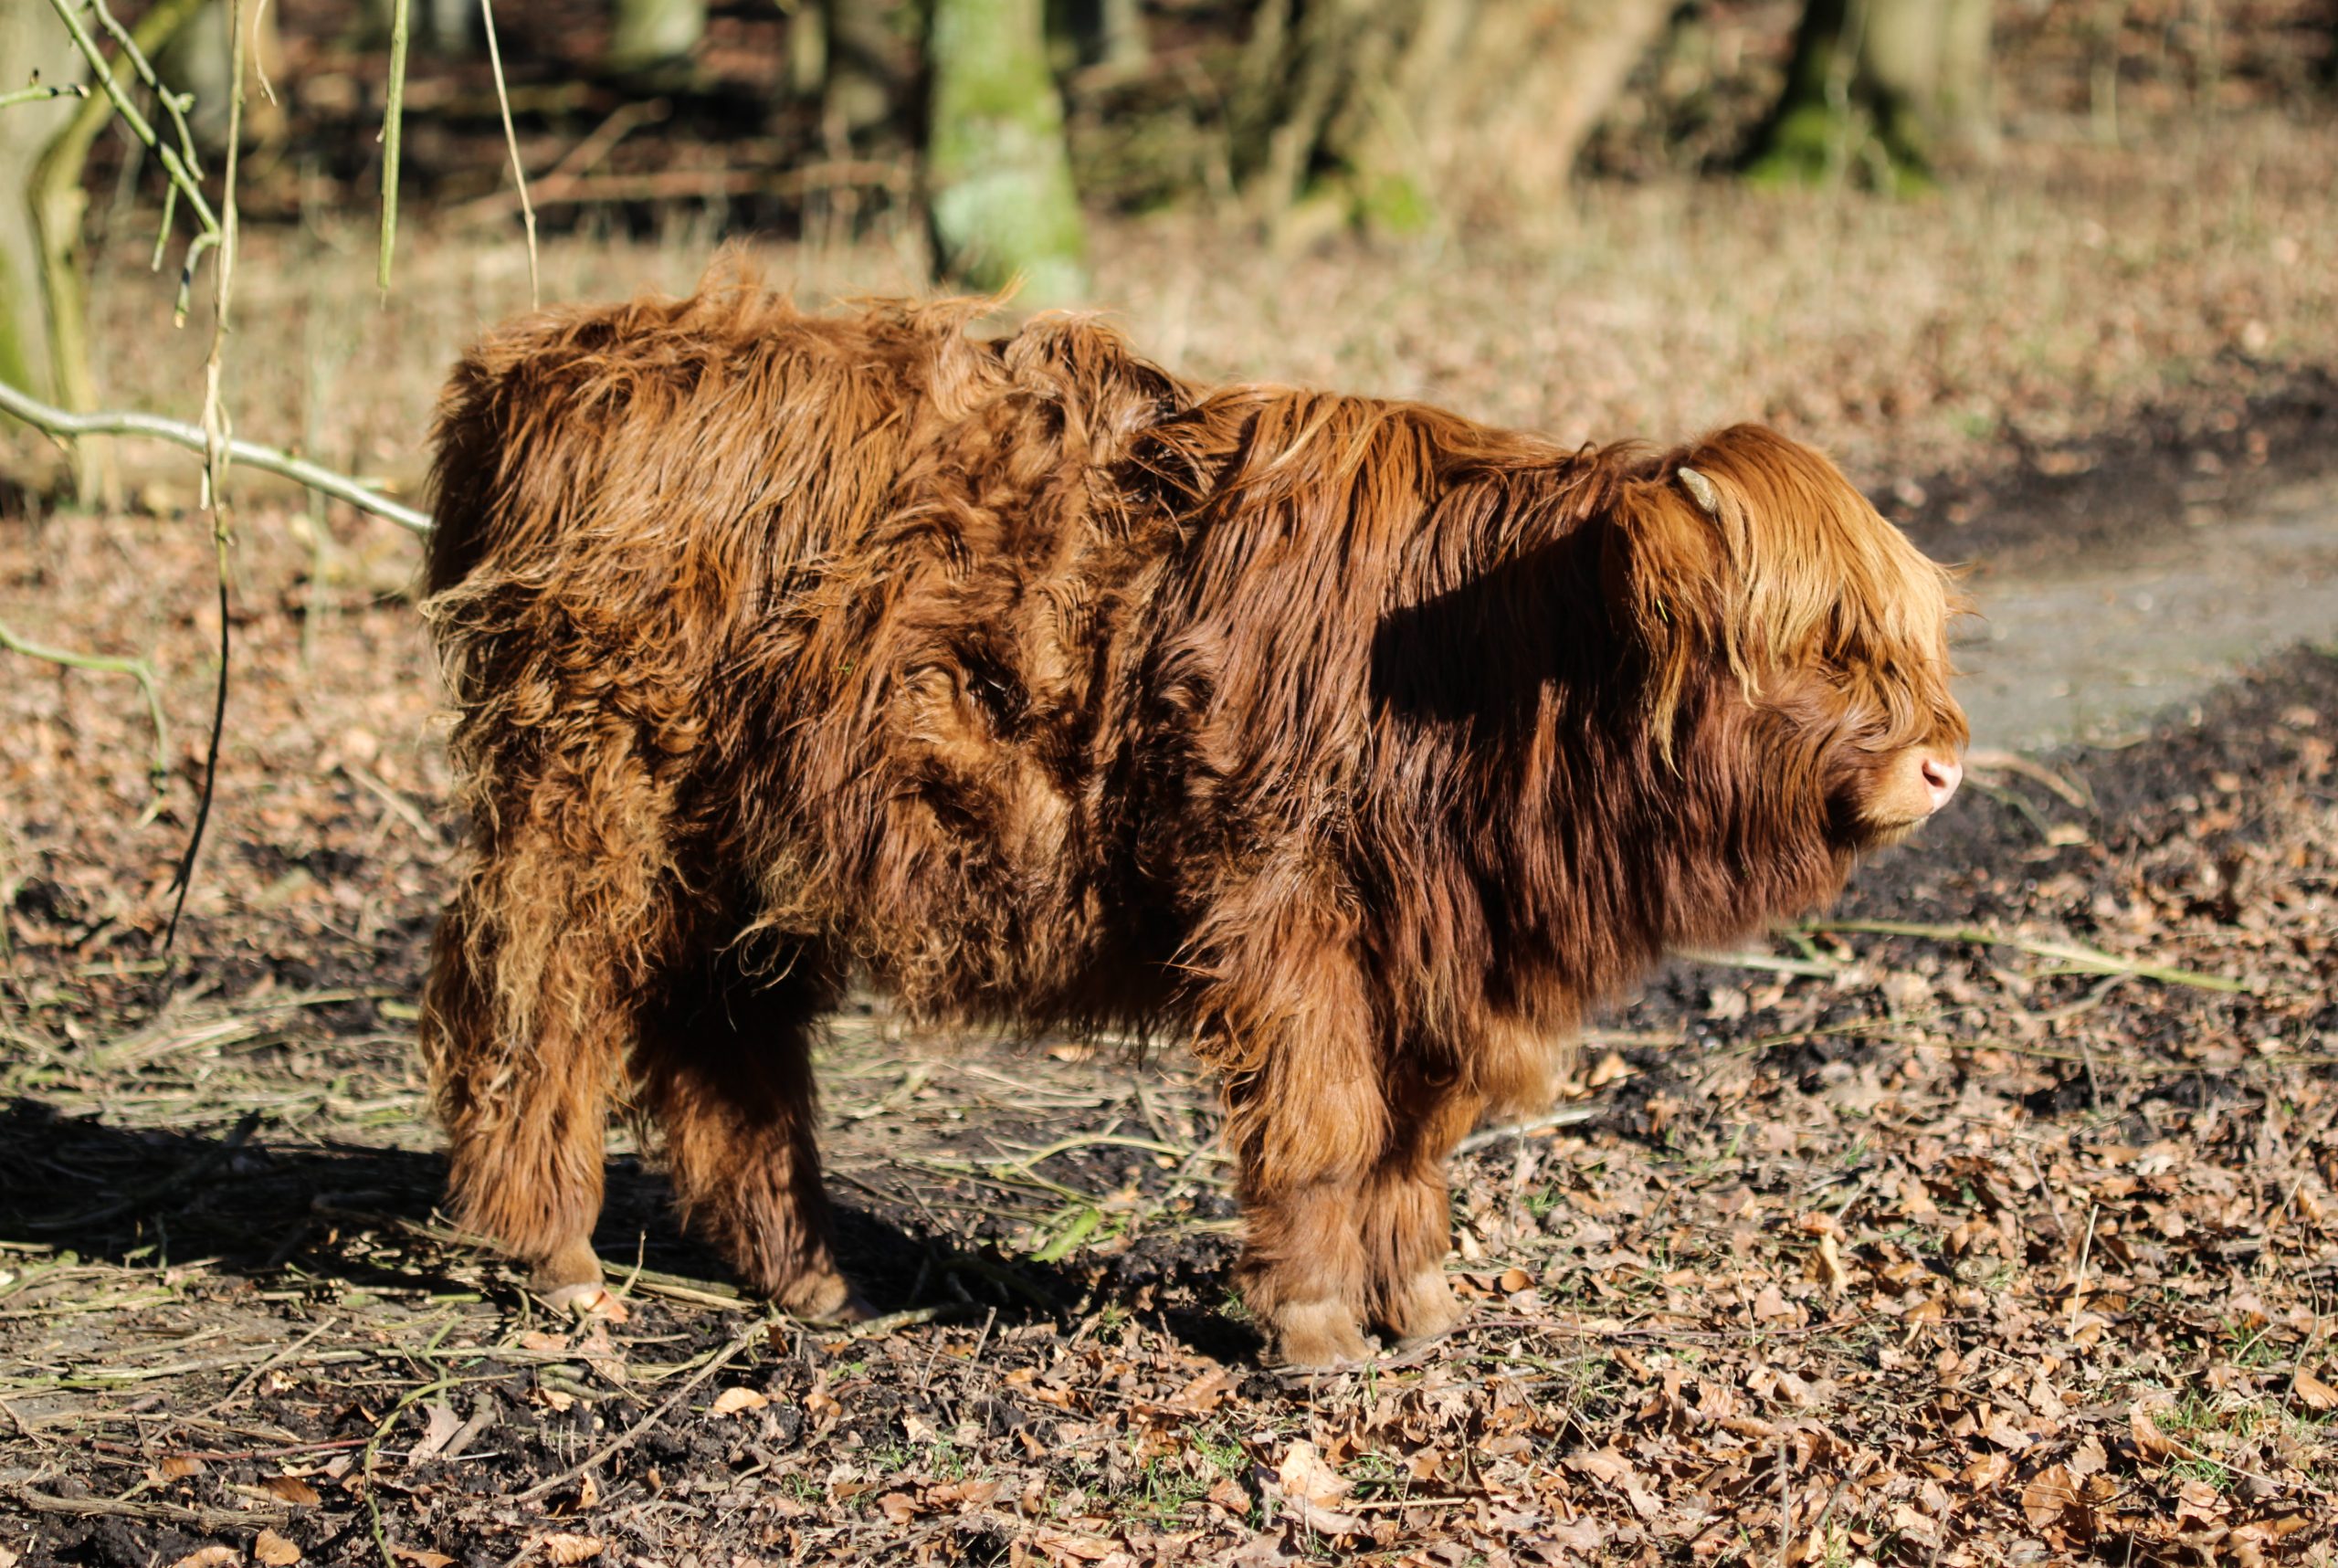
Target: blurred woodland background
(1550, 162)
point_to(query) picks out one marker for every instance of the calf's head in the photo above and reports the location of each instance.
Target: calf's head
(1795, 644)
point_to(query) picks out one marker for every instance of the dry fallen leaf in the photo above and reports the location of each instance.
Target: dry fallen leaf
(1071, 1546)
(292, 1489)
(1611, 1068)
(732, 1400)
(274, 1551)
(2150, 1441)
(1830, 1257)
(564, 1548)
(1603, 1465)
(2051, 1499)
(2312, 1393)
(2001, 1431)
(1312, 1489)
(211, 1557)
(422, 1557)
(443, 1425)
(1205, 1392)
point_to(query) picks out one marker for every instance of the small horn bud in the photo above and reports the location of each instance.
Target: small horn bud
(1697, 485)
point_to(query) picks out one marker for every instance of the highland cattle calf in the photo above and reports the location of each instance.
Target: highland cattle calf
(1361, 746)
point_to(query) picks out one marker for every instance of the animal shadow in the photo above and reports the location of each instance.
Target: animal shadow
(365, 1217)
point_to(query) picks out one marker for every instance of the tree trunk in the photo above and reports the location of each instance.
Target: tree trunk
(33, 44)
(998, 188)
(1903, 85)
(1108, 33)
(653, 33)
(1405, 111)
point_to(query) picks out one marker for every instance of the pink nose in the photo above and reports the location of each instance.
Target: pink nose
(1942, 775)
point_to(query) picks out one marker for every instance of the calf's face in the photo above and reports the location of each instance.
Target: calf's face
(1885, 745)
(1824, 630)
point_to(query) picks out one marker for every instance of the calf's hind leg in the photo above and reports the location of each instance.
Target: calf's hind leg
(527, 1015)
(725, 1067)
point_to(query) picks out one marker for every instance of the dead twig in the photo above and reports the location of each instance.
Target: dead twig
(159, 773)
(512, 141)
(581, 159)
(264, 1368)
(2071, 792)
(236, 1518)
(402, 807)
(56, 421)
(1809, 968)
(2085, 958)
(679, 185)
(1570, 1117)
(1100, 1140)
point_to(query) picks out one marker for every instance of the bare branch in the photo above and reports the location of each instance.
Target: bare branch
(39, 93)
(512, 140)
(106, 664)
(174, 104)
(2084, 960)
(178, 433)
(393, 122)
(179, 162)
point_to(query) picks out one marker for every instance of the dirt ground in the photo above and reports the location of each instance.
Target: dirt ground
(1992, 1220)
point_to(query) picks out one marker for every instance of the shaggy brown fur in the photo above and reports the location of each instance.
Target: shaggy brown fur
(1362, 744)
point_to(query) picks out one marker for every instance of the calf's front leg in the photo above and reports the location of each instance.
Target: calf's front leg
(1308, 1124)
(1407, 1212)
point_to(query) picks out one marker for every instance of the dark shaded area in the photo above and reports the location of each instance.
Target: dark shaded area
(2178, 465)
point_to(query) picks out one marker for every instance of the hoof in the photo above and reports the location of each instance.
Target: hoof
(1320, 1335)
(593, 1301)
(1423, 1309)
(569, 1266)
(827, 1298)
(570, 1283)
